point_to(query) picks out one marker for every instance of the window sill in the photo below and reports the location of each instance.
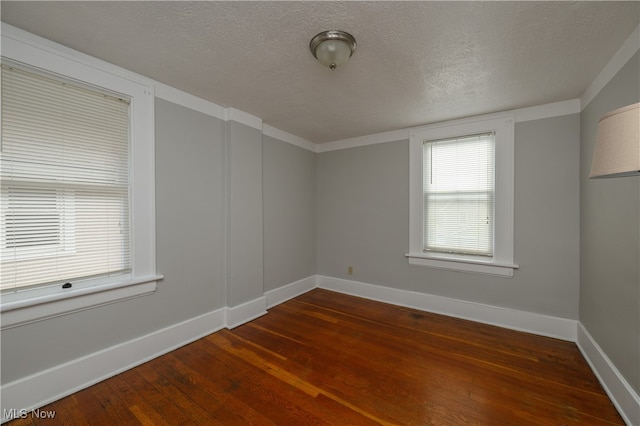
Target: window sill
(462, 264)
(41, 307)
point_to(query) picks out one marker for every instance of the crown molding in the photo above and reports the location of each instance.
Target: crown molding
(239, 116)
(555, 109)
(187, 100)
(621, 57)
(289, 138)
(376, 138)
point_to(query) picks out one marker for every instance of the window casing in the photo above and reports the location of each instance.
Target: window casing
(461, 196)
(64, 213)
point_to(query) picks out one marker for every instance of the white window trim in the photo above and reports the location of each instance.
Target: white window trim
(502, 262)
(27, 305)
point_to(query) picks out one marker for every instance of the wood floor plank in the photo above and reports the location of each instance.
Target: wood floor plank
(295, 397)
(162, 404)
(94, 410)
(136, 402)
(217, 394)
(155, 373)
(66, 412)
(326, 358)
(112, 405)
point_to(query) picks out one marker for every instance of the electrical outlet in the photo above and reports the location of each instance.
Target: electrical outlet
(350, 270)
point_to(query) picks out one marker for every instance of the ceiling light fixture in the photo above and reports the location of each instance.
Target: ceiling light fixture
(332, 48)
(617, 151)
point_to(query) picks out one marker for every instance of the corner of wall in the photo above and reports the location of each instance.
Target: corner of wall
(625, 399)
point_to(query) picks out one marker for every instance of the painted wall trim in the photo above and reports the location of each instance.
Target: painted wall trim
(289, 138)
(394, 135)
(27, 311)
(211, 109)
(232, 114)
(289, 291)
(190, 101)
(621, 57)
(62, 380)
(245, 312)
(625, 399)
(543, 325)
(555, 109)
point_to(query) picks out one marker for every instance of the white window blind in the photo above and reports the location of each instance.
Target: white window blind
(458, 190)
(64, 170)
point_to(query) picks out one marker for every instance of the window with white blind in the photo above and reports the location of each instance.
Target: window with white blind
(77, 216)
(461, 196)
(64, 174)
(458, 185)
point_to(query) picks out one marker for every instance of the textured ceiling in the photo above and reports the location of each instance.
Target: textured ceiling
(416, 62)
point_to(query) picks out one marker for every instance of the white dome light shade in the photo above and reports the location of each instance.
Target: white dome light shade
(332, 48)
(333, 53)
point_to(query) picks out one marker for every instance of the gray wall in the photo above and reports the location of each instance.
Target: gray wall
(209, 235)
(244, 217)
(289, 209)
(363, 222)
(610, 239)
(189, 190)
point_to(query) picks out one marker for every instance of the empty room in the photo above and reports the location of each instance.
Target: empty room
(338, 213)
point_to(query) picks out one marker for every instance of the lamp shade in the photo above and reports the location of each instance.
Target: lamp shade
(617, 151)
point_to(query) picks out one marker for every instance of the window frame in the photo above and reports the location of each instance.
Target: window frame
(21, 306)
(502, 263)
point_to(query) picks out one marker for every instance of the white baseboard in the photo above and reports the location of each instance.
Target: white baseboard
(52, 384)
(620, 392)
(289, 291)
(238, 315)
(544, 325)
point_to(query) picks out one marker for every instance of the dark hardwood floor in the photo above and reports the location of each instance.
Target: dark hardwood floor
(328, 358)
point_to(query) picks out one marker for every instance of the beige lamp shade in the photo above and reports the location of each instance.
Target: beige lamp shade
(617, 151)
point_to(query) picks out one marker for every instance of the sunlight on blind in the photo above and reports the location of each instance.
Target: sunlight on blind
(64, 170)
(458, 188)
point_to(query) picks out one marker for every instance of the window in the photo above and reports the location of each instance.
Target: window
(65, 181)
(458, 185)
(76, 181)
(461, 195)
